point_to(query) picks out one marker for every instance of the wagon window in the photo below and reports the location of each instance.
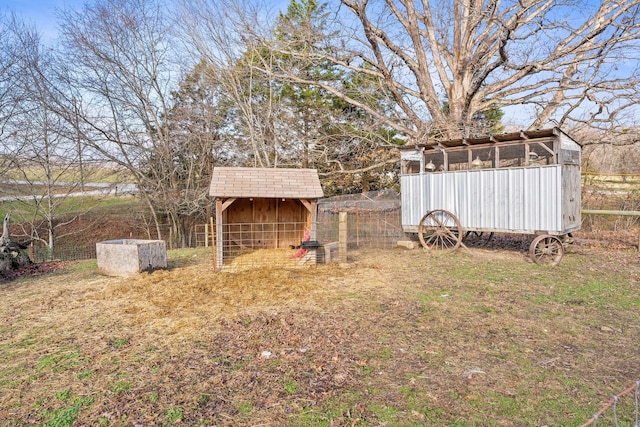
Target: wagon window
(458, 160)
(410, 167)
(512, 155)
(541, 153)
(483, 158)
(434, 161)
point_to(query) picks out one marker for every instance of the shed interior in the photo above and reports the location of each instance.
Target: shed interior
(264, 223)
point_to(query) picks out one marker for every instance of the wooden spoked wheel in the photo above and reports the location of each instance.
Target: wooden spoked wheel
(547, 250)
(440, 230)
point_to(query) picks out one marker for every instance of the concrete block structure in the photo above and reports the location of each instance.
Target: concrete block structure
(128, 257)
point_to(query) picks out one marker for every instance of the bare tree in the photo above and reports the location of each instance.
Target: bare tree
(41, 169)
(567, 59)
(138, 108)
(10, 94)
(122, 70)
(195, 125)
(219, 32)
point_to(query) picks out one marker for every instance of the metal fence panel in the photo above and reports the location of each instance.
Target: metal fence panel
(365, 228)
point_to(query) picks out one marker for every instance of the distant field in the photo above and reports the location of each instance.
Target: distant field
(40, 190)
(611, 192)
(100, 219)
(91, 172)
(25, 209)
(611, 177)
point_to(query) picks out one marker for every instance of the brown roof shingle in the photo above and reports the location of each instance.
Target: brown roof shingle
(265, 182)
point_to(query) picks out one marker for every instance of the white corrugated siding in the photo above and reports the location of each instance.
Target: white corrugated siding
(519, 200)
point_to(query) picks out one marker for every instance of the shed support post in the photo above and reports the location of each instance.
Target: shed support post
(219, 231)
(312, 207)
(342, 237)
(213, 245)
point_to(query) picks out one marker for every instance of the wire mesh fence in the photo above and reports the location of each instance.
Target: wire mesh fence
(365, 228)
(266, 243)
(202, 235)
(39, 252)
(371, 223)
(290, 244)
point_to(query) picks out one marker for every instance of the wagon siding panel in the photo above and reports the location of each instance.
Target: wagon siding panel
(572, 203)
(519, 200)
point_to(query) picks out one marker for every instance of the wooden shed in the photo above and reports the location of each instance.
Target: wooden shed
(263, 208)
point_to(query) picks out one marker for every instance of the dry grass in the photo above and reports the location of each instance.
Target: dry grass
(393, 338)
(183, 300)
(280, 259)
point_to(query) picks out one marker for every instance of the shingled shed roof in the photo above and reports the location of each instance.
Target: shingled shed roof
(266, 183)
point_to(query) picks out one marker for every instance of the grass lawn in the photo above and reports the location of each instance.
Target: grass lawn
(395, 338)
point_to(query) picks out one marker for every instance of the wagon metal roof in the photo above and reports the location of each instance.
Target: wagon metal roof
(265, 183)
(522, 136)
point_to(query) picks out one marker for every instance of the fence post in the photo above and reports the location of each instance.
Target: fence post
(342, 237)
(357, 227)
(213, 245)
(206, 235)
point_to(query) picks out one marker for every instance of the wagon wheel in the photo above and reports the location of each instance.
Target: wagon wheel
(546, 249)
(477, 238)
(440, 229)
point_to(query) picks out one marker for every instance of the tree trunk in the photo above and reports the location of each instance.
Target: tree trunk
(12, 255)
(5, 229)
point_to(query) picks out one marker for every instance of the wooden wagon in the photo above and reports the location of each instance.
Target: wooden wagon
(524, 182)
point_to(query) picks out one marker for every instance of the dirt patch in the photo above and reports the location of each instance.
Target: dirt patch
(33, 270)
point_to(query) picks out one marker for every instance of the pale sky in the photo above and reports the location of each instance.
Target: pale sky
(41, 13)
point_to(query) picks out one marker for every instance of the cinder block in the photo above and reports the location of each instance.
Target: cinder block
(128, 257)
(328, 253)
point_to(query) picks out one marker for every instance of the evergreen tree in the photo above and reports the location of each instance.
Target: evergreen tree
(310, 107)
